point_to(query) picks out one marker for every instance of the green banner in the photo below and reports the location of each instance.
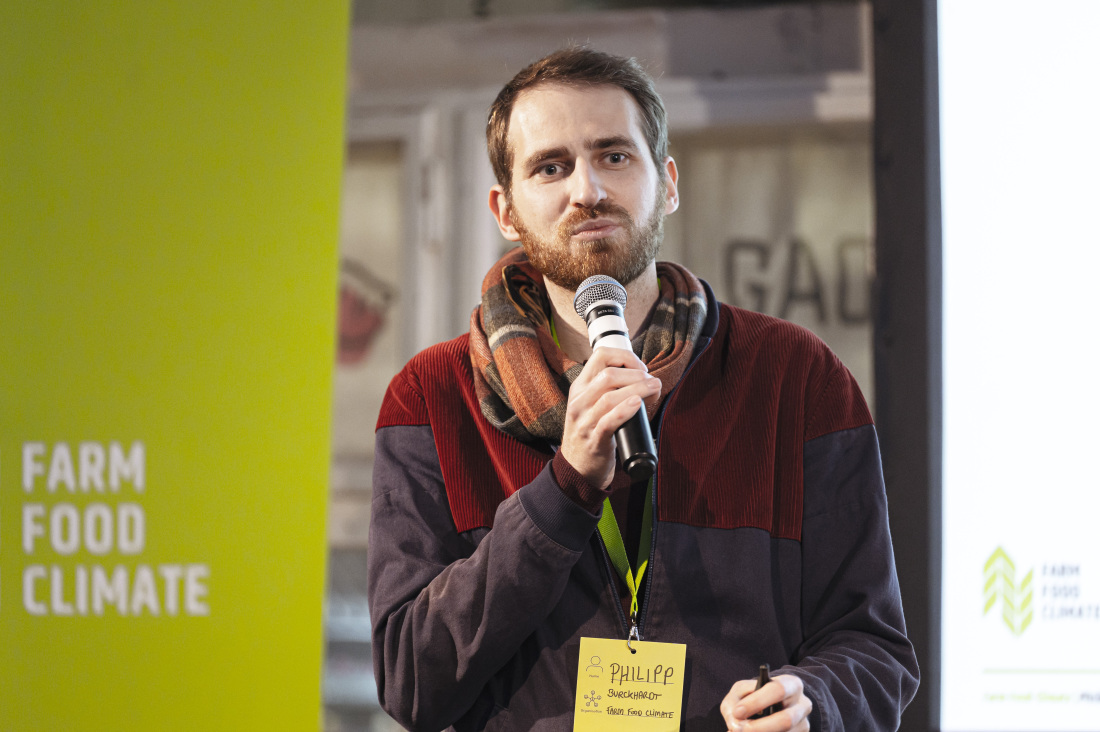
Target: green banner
(168, 224)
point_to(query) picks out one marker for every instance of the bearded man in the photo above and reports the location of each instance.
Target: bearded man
(762, 537)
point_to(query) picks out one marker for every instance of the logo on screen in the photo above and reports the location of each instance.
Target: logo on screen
(1015, 597)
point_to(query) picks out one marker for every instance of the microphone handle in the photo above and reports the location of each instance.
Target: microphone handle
(634, 443)
(633, 439)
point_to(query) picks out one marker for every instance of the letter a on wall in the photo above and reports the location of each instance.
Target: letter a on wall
(168, 233)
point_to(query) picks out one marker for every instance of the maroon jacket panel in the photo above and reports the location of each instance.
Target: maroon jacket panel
(762, 389)
(481, 465)
(753, 436)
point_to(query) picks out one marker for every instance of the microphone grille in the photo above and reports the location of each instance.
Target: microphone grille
(596, 288)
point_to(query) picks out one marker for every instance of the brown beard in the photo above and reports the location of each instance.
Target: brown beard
(624, 256)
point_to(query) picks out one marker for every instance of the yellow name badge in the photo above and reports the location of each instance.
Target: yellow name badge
(620, 690)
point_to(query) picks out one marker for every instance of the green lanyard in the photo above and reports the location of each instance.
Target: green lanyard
(616, 550)
(613, 540)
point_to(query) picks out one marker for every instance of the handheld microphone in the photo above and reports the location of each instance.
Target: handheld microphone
(600, 300)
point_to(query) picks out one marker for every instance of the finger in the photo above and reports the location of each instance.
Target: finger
(792, 685)
(602, 358)
(795, 714)
(732, 700)
(623, 362)
(611, 410)
(583, 397)
(614, 378)
(617, 415)
(778, 722)
(757, 701)
(620, 356)
(642, 388)
(590, 424)
(744, 698)
(743, 688)
(606, 368)
(799, 711)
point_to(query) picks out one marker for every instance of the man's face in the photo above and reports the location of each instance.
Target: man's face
(586, 196)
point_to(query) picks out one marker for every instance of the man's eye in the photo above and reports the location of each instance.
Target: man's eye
(551, 169)
(616, 158)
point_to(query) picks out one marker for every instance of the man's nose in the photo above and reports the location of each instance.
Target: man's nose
(587, 186)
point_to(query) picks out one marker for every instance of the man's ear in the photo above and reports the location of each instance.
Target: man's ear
(672, 193)
(502, 212)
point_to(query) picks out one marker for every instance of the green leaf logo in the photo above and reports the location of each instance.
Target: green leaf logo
(1000, 584)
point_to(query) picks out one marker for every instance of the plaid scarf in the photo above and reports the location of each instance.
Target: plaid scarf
(522, 378)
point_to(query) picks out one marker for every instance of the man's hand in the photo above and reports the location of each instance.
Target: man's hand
(743, 701)
(609, 390)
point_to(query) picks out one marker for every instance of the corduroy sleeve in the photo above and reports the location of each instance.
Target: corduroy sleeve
(447, 614)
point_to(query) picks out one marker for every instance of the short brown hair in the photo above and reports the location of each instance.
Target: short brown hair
(577, 66)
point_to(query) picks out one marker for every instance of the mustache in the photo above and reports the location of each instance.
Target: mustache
(607, 209)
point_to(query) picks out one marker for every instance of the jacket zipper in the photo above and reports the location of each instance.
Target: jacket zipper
(614, 589)
(640, 624)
